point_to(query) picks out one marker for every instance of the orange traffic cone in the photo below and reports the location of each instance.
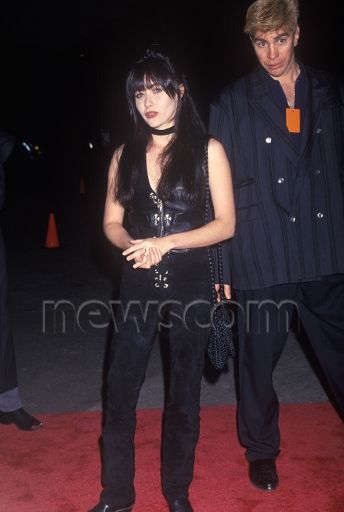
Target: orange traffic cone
(82, 186)
(52, 240)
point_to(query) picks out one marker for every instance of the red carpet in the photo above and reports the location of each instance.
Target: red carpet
(57, 468)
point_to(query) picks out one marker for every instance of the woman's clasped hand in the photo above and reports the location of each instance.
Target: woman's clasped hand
(146, 252)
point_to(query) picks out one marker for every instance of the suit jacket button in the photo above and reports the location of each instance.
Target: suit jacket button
(292, 219)
(268, 140)
(320, 215)
(280, 180)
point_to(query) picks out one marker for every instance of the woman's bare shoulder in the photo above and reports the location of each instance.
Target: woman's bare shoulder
(215, 148)
(115, 159)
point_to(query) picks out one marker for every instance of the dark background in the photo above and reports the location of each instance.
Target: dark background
(63, 67)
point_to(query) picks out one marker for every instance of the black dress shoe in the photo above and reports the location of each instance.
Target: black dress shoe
(180, 505)
(102, 507)
(21, 419)
(263, 474)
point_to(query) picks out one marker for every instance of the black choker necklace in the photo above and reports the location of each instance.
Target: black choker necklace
(167, 131)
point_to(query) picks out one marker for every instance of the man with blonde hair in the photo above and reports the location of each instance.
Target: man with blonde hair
(283, 129)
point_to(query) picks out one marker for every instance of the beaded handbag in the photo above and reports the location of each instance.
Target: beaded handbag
(221, 339)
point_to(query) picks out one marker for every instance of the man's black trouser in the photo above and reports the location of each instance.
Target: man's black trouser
(8, 370)
(263, 323)
(185, 305)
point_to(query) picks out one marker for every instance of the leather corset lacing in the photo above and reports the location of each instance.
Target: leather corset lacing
(149, 216)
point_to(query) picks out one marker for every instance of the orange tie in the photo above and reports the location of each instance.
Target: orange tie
(293, 120)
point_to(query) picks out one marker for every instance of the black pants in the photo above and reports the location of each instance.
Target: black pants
(263, 323)
(8, 370)
(181, 301)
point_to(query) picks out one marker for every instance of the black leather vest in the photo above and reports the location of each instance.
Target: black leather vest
(150, 216)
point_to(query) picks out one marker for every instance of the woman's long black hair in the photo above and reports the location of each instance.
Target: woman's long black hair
(182, 155)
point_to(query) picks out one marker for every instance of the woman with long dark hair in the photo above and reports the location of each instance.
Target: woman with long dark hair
(155, 213)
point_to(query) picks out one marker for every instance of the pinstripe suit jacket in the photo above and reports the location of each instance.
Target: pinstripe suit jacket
(290, 203)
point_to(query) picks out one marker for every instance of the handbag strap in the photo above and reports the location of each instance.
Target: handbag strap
(219, 245)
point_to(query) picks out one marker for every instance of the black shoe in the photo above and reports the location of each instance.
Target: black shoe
(263, 474)
(21, 419)
(102, 507)
(180, 505)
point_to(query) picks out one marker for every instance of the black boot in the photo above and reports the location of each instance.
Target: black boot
(180, 505)
(102, 507)
(21, 419)
(263, 474)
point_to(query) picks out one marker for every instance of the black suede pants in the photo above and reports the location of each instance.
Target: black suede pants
(176, 296)
(264, 318)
